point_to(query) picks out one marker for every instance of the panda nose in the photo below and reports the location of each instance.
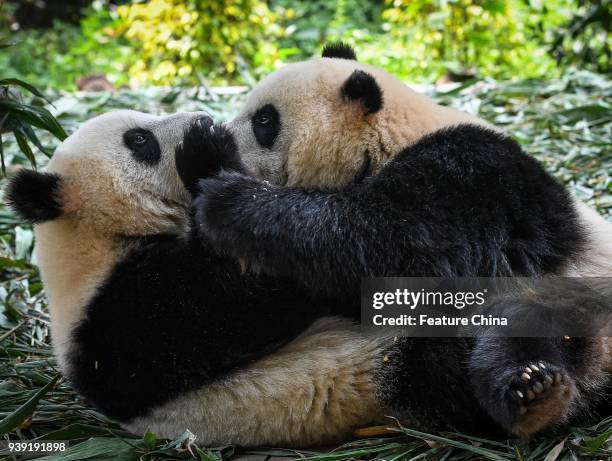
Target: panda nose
(205, 121)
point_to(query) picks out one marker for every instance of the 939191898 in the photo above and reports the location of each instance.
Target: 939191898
(30, 447)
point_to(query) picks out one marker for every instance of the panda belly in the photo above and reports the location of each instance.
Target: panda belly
(315, 390)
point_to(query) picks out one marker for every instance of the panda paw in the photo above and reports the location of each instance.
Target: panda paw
(225, 205)
(538, 395)
(205, 150)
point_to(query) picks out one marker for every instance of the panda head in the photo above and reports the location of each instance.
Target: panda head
(330, 121)
(114, 176)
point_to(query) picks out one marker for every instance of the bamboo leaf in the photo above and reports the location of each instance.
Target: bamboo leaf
(2, 156)
(17, 82)
(26, 410)
(487, 453)
(8, 262)
(593, 444)
(79, 431)
(37, 116)
(31, 135)
(98, 448)
(556, 451)
(22, 142)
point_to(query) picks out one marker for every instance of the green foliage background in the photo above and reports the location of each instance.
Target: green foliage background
(173, 42)
(557, 102)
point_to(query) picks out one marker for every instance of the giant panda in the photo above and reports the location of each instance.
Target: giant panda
(347, 173)
(164, 333)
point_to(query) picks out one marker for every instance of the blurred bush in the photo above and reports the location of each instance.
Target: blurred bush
(423, 40)
(57, 56)
(498, 38)
(222, 40)
(489, 37)
(308, 24)
(174, 42)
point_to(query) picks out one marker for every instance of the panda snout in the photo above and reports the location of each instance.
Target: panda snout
(205, 122)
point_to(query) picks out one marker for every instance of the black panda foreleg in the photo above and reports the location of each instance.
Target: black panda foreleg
(206, 149)
(326, 241)
(491, 385)
(514, 385)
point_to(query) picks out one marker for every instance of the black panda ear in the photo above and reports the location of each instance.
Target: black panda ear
(33, 195)
(339, 50)
(361, 86)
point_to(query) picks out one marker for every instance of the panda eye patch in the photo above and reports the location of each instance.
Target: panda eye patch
(143, 144)
(266, 125)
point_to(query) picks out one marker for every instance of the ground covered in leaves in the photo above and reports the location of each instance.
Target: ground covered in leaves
(567, 124)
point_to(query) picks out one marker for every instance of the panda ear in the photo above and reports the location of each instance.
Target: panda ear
(339, 50)
(34, 195)
(361, 86)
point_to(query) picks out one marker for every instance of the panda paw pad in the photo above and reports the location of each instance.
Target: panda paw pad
(540, 395)
(206, 149)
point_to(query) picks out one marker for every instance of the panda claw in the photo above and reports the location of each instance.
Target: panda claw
(538, 388)
(540, 395)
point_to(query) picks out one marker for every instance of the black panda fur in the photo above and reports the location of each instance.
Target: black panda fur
(339, 50)
(188, 317)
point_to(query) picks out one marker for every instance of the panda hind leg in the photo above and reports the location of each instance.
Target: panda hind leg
(524, 384)
(424, 382)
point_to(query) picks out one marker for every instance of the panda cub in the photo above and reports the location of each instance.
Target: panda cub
(347, 173)
(144, 314)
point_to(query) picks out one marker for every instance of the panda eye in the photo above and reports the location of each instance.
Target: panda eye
(136, 138)
(139, 139)
(262, 119)
(143, 144)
